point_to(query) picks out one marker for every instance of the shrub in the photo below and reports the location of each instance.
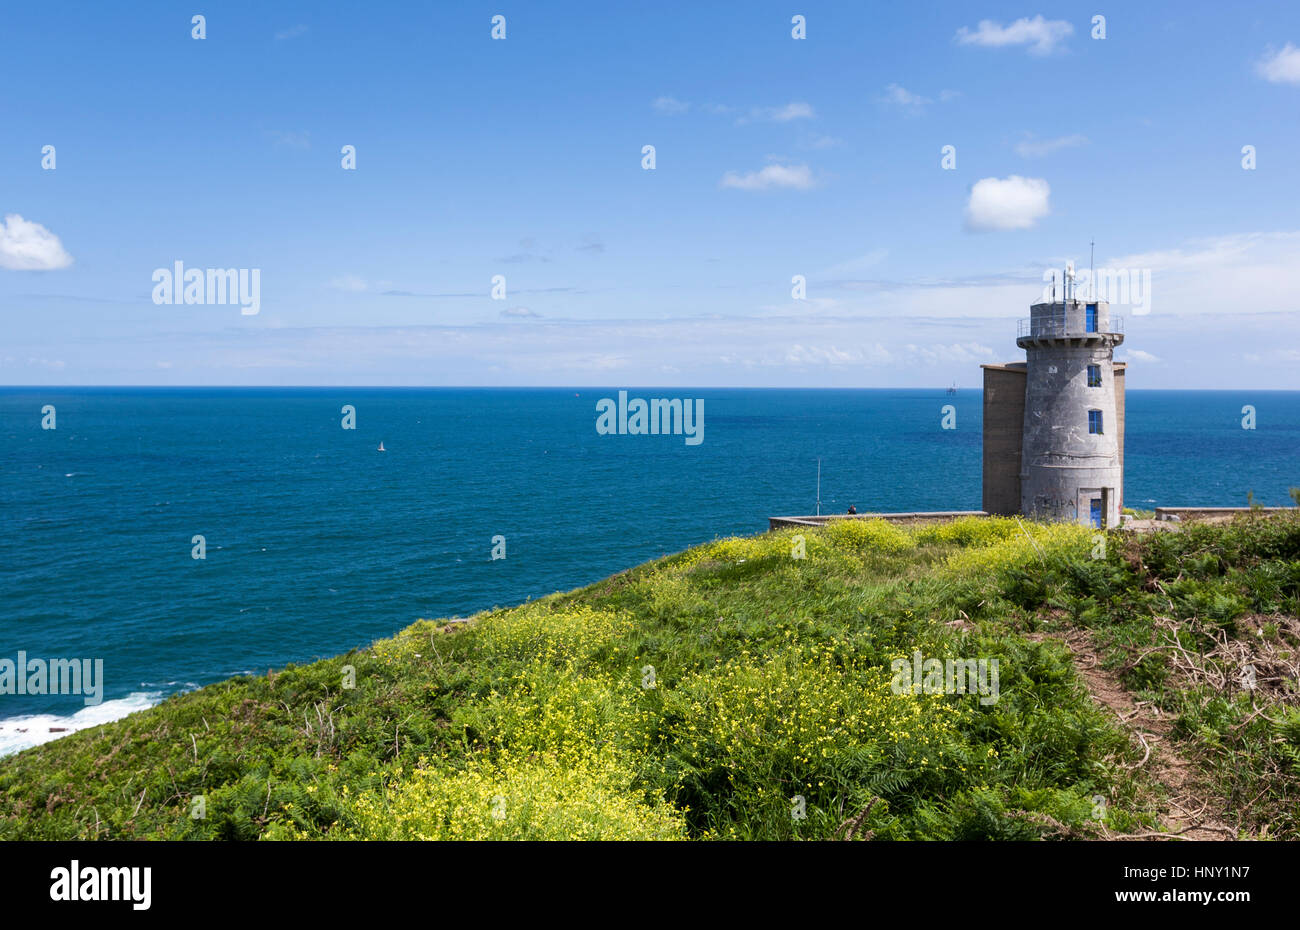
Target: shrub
(556, 711)
(869, 535)
(541, 797)
(797, 721)
(1037, 546)
(541, 631)
(970, 531)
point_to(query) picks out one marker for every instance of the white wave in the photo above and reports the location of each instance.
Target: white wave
(18, 733)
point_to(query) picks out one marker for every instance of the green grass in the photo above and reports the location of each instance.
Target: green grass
(729, 691)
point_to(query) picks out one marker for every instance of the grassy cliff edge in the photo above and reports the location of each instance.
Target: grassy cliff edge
(747, 689)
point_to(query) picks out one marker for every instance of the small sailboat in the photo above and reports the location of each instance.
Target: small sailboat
(381, 446)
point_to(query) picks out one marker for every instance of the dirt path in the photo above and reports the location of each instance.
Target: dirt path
(1189, 813)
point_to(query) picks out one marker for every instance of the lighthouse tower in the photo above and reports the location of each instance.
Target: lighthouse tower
(1071, 458)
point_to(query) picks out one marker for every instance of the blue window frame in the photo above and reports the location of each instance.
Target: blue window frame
(1090, 318)
(1094, 513)
(1094, 422)
(1094, 376)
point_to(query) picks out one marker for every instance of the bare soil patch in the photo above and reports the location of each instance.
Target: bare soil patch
(1188, 811)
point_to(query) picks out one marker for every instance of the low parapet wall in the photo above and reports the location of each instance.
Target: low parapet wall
(1211, 513)
(910, 518)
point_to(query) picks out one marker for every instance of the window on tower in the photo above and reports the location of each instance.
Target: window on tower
(1090, 318)
(1094, 422)
(1094, 376)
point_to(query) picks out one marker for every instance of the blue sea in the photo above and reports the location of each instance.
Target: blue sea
(317, 542)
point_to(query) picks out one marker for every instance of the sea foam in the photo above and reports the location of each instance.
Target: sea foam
(17, 733)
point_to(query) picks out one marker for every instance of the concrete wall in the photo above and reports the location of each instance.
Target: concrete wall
(910, 518)
(1120, 368)
(1214, 513)
(1004, 423)
(1048, 318)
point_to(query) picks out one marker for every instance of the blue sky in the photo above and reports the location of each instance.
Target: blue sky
(775, 157)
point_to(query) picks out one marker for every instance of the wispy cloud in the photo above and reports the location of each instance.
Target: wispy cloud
(781, 114)
(28, 246)
(1042, 36)
(349, 282)
(291, 140)
(1007, 203)
(899, 96)
(291, 33)
(533, 290)
(1139, 355)
(796, 177)
(860, 264)
(1282, 66)
(821, 142)
(1037, 148)
(784, 113)
(669, 106)
(520, 258)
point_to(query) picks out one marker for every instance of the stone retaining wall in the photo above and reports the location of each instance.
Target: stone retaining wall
(910, 518)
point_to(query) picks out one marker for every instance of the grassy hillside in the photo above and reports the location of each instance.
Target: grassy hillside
(735, 691)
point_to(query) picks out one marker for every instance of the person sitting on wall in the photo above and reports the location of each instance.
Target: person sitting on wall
(852, 509)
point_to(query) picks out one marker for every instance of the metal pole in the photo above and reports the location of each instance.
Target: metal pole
(819, 486)
(1092, 270)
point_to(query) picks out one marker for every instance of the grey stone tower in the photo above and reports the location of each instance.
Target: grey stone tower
(1071, 456)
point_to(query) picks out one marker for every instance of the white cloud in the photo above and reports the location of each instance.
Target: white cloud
(1041, 35)
(291, 140)
(520, 312)
(790, 111)
(821, 142)
(801, 355)
(1273, 355)
(56, 364)
(291, 33)
(859, 264)
(350, 283)
(669, 106)
(26, 246)
(1037, 148)
(1218, 252)
(900, 96)
(782, 114)
(797, 177)
(1138, 355)
(1281, 67)
(956, 353)
(1247, 272)
(1007, 203)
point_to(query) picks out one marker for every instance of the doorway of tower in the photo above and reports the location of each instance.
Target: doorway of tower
(1094, 505)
